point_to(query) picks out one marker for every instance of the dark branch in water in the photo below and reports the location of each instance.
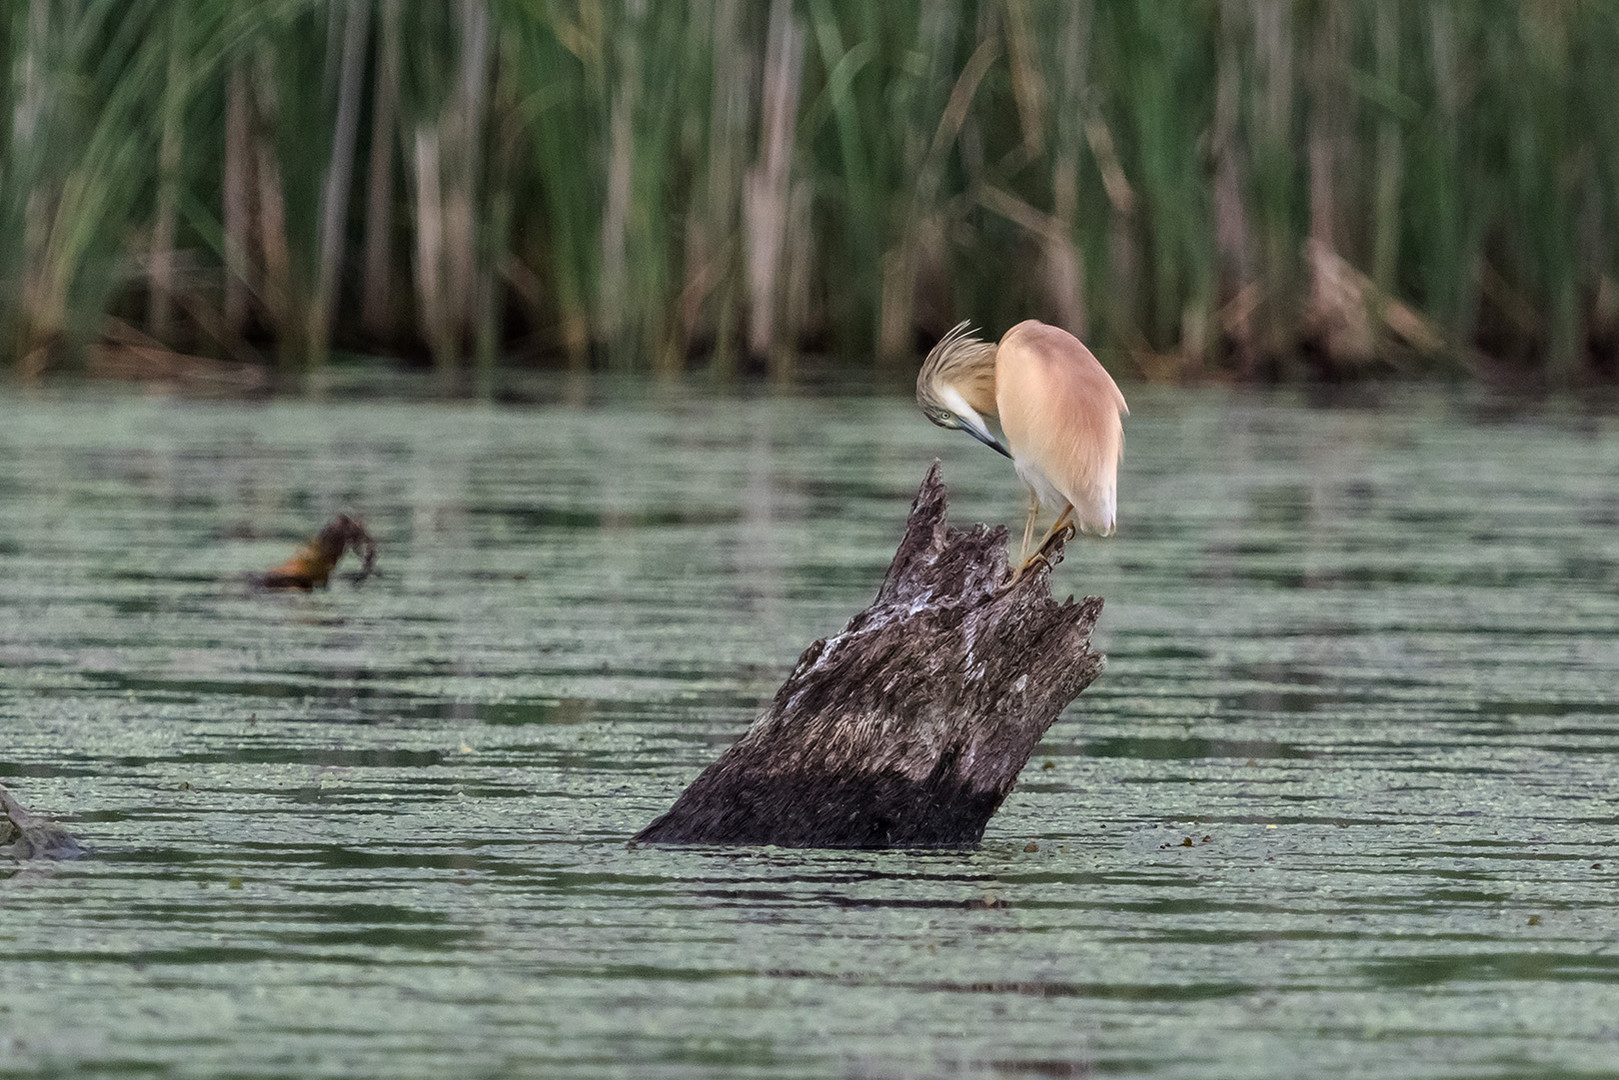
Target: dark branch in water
(25, 836)
(909, 727)
(312, 566)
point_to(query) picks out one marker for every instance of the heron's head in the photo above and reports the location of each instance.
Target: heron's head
(956, 386)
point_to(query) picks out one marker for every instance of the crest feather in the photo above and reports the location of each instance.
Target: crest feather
(963, 363)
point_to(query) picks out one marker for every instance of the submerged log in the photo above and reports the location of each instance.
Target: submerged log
(311, 567)
(28, 836)
(908, 728)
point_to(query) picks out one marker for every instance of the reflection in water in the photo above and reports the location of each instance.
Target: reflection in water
(1344, 795)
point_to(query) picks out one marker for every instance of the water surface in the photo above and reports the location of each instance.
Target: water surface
(1343, 803)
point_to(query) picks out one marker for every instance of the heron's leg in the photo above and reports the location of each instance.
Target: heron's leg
(1062, 523)
(1028, 527)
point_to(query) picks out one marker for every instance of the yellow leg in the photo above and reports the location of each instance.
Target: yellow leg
(1062, 523)
(1058, 526)
(1028, 527)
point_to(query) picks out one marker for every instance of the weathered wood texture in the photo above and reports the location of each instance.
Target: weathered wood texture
(28, 836)
(909, 727)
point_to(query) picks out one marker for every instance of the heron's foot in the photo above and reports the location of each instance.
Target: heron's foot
(1063, 536)
(1055, 541)
(1037, 559)
(1047, 555)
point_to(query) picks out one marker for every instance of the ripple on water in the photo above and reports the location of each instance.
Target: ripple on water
(1343, 802)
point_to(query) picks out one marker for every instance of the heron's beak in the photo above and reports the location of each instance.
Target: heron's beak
(981, 433)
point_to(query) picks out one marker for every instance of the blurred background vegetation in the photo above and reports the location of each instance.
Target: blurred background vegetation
(1242, 189)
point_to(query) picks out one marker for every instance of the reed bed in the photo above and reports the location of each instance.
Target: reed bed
(1243, 189)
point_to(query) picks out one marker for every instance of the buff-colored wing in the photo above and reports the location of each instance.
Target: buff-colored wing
(1061, 412)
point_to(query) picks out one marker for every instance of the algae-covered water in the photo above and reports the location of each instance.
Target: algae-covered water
(1344, 802)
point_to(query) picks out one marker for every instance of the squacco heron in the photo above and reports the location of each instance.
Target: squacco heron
(1060, 411)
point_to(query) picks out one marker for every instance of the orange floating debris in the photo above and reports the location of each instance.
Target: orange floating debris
(312, 566)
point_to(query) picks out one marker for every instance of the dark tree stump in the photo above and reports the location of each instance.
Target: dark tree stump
(908, 728)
